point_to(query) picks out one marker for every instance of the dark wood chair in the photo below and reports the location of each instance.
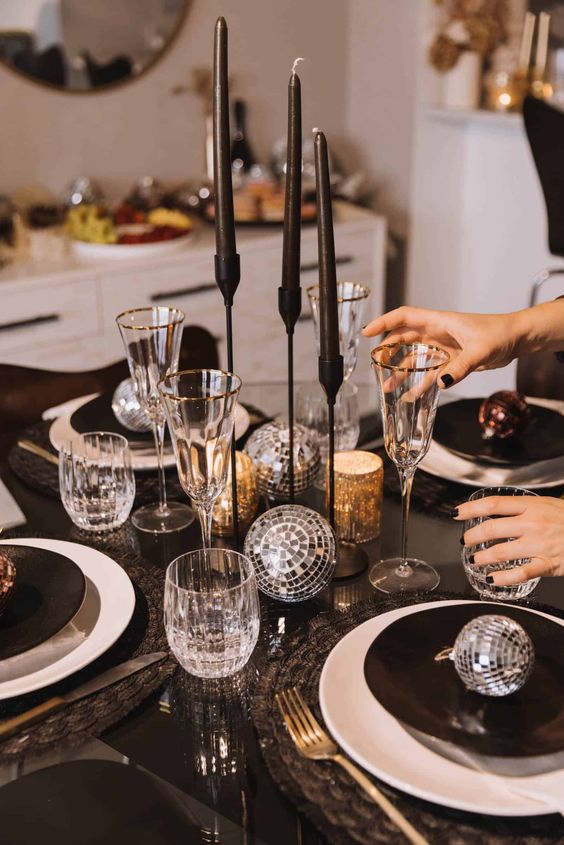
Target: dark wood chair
(27, 392)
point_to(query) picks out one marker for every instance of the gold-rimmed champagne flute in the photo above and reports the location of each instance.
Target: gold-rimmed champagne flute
(351, 298)
(152, 337)
(200, 406)
(407, 376)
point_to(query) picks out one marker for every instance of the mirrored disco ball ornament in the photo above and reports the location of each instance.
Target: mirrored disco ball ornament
(493, 655)
(269, 449)
(292, 550)
(127, 409)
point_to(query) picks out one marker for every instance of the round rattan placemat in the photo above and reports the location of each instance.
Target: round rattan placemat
(94, 714)
(326, 794)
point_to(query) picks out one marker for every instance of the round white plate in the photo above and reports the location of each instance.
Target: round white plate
(101, 252)
(62, 432)
(444, 464)
(117, 602)
(378, 742)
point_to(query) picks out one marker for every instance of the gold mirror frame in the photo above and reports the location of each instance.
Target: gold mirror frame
(111, 86)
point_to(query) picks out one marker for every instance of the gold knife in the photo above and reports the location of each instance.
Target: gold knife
(11, 726)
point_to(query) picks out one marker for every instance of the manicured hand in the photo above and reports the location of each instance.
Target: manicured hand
(473, 341)
(536, 524)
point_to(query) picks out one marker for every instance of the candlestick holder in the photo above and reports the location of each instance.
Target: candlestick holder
(351, 298)
(292, 550)
(269, 449)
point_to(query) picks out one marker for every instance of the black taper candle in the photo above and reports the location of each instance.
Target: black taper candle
(227, 265)
(330, 359)
(328, 310)
(227, 269)
(289, 293)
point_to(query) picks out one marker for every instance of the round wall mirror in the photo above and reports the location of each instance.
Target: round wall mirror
(86, 45)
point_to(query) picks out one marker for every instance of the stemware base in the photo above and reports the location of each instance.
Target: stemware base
(157, 520)
(387, 576)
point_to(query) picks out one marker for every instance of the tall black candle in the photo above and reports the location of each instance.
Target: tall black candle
(293, 197)
(328, 309)
(223, 190)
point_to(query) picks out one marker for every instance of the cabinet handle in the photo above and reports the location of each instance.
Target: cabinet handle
(170, 294)
(340, 259)
(32, 321)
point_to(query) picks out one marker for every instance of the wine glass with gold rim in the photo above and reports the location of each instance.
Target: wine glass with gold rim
(407, 376)
(152, 337)
(200, 408)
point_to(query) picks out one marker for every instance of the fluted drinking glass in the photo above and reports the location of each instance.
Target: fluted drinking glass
(351, 298)
(200, 406)
(211, 611)
(407, 377)
(152, 337)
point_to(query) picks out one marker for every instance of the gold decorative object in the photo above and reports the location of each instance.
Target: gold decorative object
(7, 580)
(247, 498)
(359, 479)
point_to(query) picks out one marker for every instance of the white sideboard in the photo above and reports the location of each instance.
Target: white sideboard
(62, 316)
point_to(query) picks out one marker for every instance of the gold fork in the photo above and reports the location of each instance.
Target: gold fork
(314, 743)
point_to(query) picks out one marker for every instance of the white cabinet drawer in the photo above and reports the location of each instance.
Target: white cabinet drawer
(191, 288)
(43, 314)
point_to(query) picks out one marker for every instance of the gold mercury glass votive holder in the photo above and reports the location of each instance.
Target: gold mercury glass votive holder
(247, 498)
(359, 482)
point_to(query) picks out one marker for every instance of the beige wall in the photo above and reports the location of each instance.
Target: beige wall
(49, 137)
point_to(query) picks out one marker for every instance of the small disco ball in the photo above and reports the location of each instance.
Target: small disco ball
(493, 655)
(292, 550)
(7, 580)
(269, 449)
(127, 409)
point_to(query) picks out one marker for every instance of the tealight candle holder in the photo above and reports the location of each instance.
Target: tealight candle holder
(359, 481)
(247, 498)
(269, 449)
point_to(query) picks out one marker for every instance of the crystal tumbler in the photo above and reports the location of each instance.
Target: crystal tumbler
(477, 574)
(96, 480)
(211, 611)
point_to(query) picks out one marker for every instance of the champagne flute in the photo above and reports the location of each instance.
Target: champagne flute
(351, 298)
(407, 376)
(200, 406)
(151, 337)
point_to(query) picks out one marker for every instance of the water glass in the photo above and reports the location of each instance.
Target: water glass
(96, 480)
(351, 298)
(211, 611)
(311, 412)
(477, 574)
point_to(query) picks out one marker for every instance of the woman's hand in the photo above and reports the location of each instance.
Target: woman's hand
(536, 526)
(474, 341)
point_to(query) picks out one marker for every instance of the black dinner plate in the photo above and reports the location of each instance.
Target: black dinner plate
(403, 676)
(49, 591)
(96, 802)
(97, 415)
(457, 428)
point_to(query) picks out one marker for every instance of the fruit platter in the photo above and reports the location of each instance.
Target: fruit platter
(126, 232)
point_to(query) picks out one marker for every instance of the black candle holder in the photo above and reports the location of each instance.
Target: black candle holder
(290, 308)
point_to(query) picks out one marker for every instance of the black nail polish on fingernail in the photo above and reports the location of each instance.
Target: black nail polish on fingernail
(471, 559)
(462, 541)
(454, 512)
(489, 579)
(447, 380)
(364, 327)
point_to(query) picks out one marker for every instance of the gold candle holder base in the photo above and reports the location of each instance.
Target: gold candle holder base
(247, 498)
(359, 481)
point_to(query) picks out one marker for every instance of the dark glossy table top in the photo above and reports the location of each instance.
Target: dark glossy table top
(202, 742)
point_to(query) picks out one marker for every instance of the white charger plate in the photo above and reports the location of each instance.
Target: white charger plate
(377, 741)
(116, 604)
(443, 463)
(61, 432)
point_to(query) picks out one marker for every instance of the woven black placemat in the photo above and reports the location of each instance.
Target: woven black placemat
(43, 476)
(326, 794)
(93, 715)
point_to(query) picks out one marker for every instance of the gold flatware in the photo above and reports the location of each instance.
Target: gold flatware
(315, 744)
(28, 446)
(53, 705)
